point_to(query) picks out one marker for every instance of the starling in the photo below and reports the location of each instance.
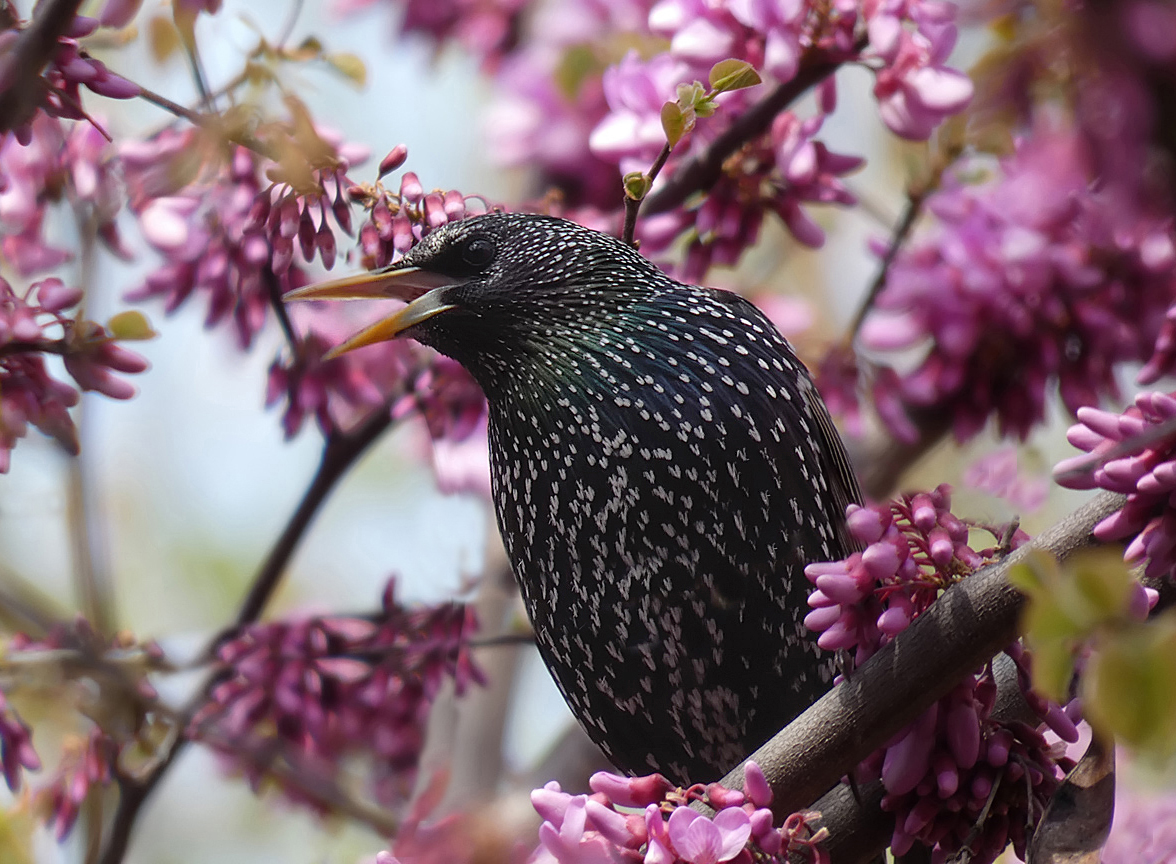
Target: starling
(663, 469)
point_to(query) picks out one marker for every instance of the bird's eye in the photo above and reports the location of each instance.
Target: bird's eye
(478, 252)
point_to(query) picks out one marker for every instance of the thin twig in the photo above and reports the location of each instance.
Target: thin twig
(633, 205)
(910, 215)
(91, 568)
(38, 346)
(701, 172)
(274, 291)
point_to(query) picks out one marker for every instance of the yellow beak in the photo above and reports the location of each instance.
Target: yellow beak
(422, 288)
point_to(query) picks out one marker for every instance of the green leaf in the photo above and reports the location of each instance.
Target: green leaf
(674, 122)
(130, 326)
(733, 74)
(350, 66)
(637, 185)
(690, 95)
(1103, 581)
(1129, 686)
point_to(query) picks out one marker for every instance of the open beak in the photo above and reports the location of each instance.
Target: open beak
(421, 288)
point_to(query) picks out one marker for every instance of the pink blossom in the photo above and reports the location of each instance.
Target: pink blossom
(1030, 279)
(1142, 467)
(334, 687)
(700, 840)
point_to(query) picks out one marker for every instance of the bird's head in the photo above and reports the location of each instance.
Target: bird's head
(496, 289)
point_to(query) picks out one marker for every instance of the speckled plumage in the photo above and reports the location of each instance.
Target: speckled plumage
(663, 469)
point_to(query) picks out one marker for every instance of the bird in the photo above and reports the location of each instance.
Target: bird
(662, 468)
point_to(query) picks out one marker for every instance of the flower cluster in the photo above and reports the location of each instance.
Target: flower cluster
(778, 172)
(59, 160)
(956, 761)
(958, 778)
(327, 688)
(1029, 279)
(70, 68)
(1134, 453)
(40, 321)
(398, 220)
(222, 232)
(108, 693)
(665, 830)
(914, 549)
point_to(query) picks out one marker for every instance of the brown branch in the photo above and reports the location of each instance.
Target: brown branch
(701, 172)
(41, 346)
(24, 64)
(967, 626)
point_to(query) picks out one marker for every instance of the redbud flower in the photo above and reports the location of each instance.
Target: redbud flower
(1145, 472)
(41, 321)
(84, 766)
(1030, 278)
(332, 687)
(953, 762)
(69, 69)
(582, 828)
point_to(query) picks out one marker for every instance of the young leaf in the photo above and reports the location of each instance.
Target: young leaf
(732, 74)
(130, 326)
(673, 123)
(350, 66)
(637, 185)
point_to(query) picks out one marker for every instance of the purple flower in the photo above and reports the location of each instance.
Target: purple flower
(590, 828)
(700, 840)
(40, 321)
(1030, 278)
(914, 89)
(941, 771)
(1145, 472)
(329, 688)
(70, 68)
(204, 230)
(58, 161)
(86, 765)
(485, 28)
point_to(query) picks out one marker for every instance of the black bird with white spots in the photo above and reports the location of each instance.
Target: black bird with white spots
(663, 469)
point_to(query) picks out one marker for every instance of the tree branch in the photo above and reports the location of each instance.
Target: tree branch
(969, 624)
(701, 172)
(35, 47)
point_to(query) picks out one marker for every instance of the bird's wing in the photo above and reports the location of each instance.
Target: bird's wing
(838, 469)
(842, 479)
